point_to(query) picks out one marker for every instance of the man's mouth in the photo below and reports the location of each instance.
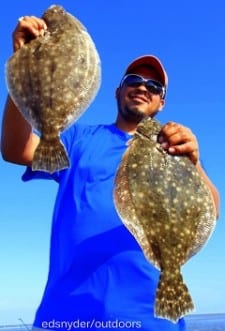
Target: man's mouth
(139, 98)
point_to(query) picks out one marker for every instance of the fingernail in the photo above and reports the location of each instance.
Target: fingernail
(172, 150)
(42, 32)
(165, 145)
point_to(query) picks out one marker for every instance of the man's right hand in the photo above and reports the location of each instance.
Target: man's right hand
(28, 28)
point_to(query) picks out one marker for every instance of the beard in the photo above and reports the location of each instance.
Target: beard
(131, 114)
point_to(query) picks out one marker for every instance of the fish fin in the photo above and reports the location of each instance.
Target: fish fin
(173, 300)
(50, 156)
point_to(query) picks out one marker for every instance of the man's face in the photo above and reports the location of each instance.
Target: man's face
(136, 102)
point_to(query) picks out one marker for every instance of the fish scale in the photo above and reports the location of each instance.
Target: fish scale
(166, 205)
(53, 79)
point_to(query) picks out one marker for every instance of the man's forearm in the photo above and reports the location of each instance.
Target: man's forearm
(210, 185)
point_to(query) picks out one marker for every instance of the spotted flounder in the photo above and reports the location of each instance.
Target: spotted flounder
(52, 80)
(165, 204)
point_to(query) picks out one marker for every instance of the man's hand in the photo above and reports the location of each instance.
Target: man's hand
(28, 28)
(179, 140)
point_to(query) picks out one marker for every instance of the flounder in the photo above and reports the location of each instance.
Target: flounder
(165, 204)
(52, 80)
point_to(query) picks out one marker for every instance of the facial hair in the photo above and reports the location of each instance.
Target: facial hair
(130, 114)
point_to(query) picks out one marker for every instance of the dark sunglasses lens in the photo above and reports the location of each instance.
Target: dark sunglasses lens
(154, 88)
(133, 80)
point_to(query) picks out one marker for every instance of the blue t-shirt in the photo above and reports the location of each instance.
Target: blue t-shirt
(98, 276)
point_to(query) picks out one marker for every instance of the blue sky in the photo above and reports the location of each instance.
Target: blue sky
(189, 39)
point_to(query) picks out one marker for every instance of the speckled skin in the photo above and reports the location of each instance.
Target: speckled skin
(52, 80)
(166, 205)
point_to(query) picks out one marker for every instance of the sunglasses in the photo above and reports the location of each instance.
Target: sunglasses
(153, 86)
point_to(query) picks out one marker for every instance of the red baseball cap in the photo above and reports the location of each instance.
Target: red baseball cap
(151, 61)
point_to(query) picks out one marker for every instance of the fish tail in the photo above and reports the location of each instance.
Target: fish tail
(172, 297)
(50, 156)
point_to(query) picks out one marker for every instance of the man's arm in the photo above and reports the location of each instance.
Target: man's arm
(211, 186)
(18, 143)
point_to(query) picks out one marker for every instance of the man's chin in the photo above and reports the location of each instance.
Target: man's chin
(136, 113)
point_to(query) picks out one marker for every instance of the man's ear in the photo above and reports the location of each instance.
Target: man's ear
(117, 93)
(162, 104)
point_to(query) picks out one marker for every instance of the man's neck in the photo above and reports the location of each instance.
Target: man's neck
(126, 126)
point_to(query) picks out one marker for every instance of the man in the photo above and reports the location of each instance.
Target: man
(98, 276)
